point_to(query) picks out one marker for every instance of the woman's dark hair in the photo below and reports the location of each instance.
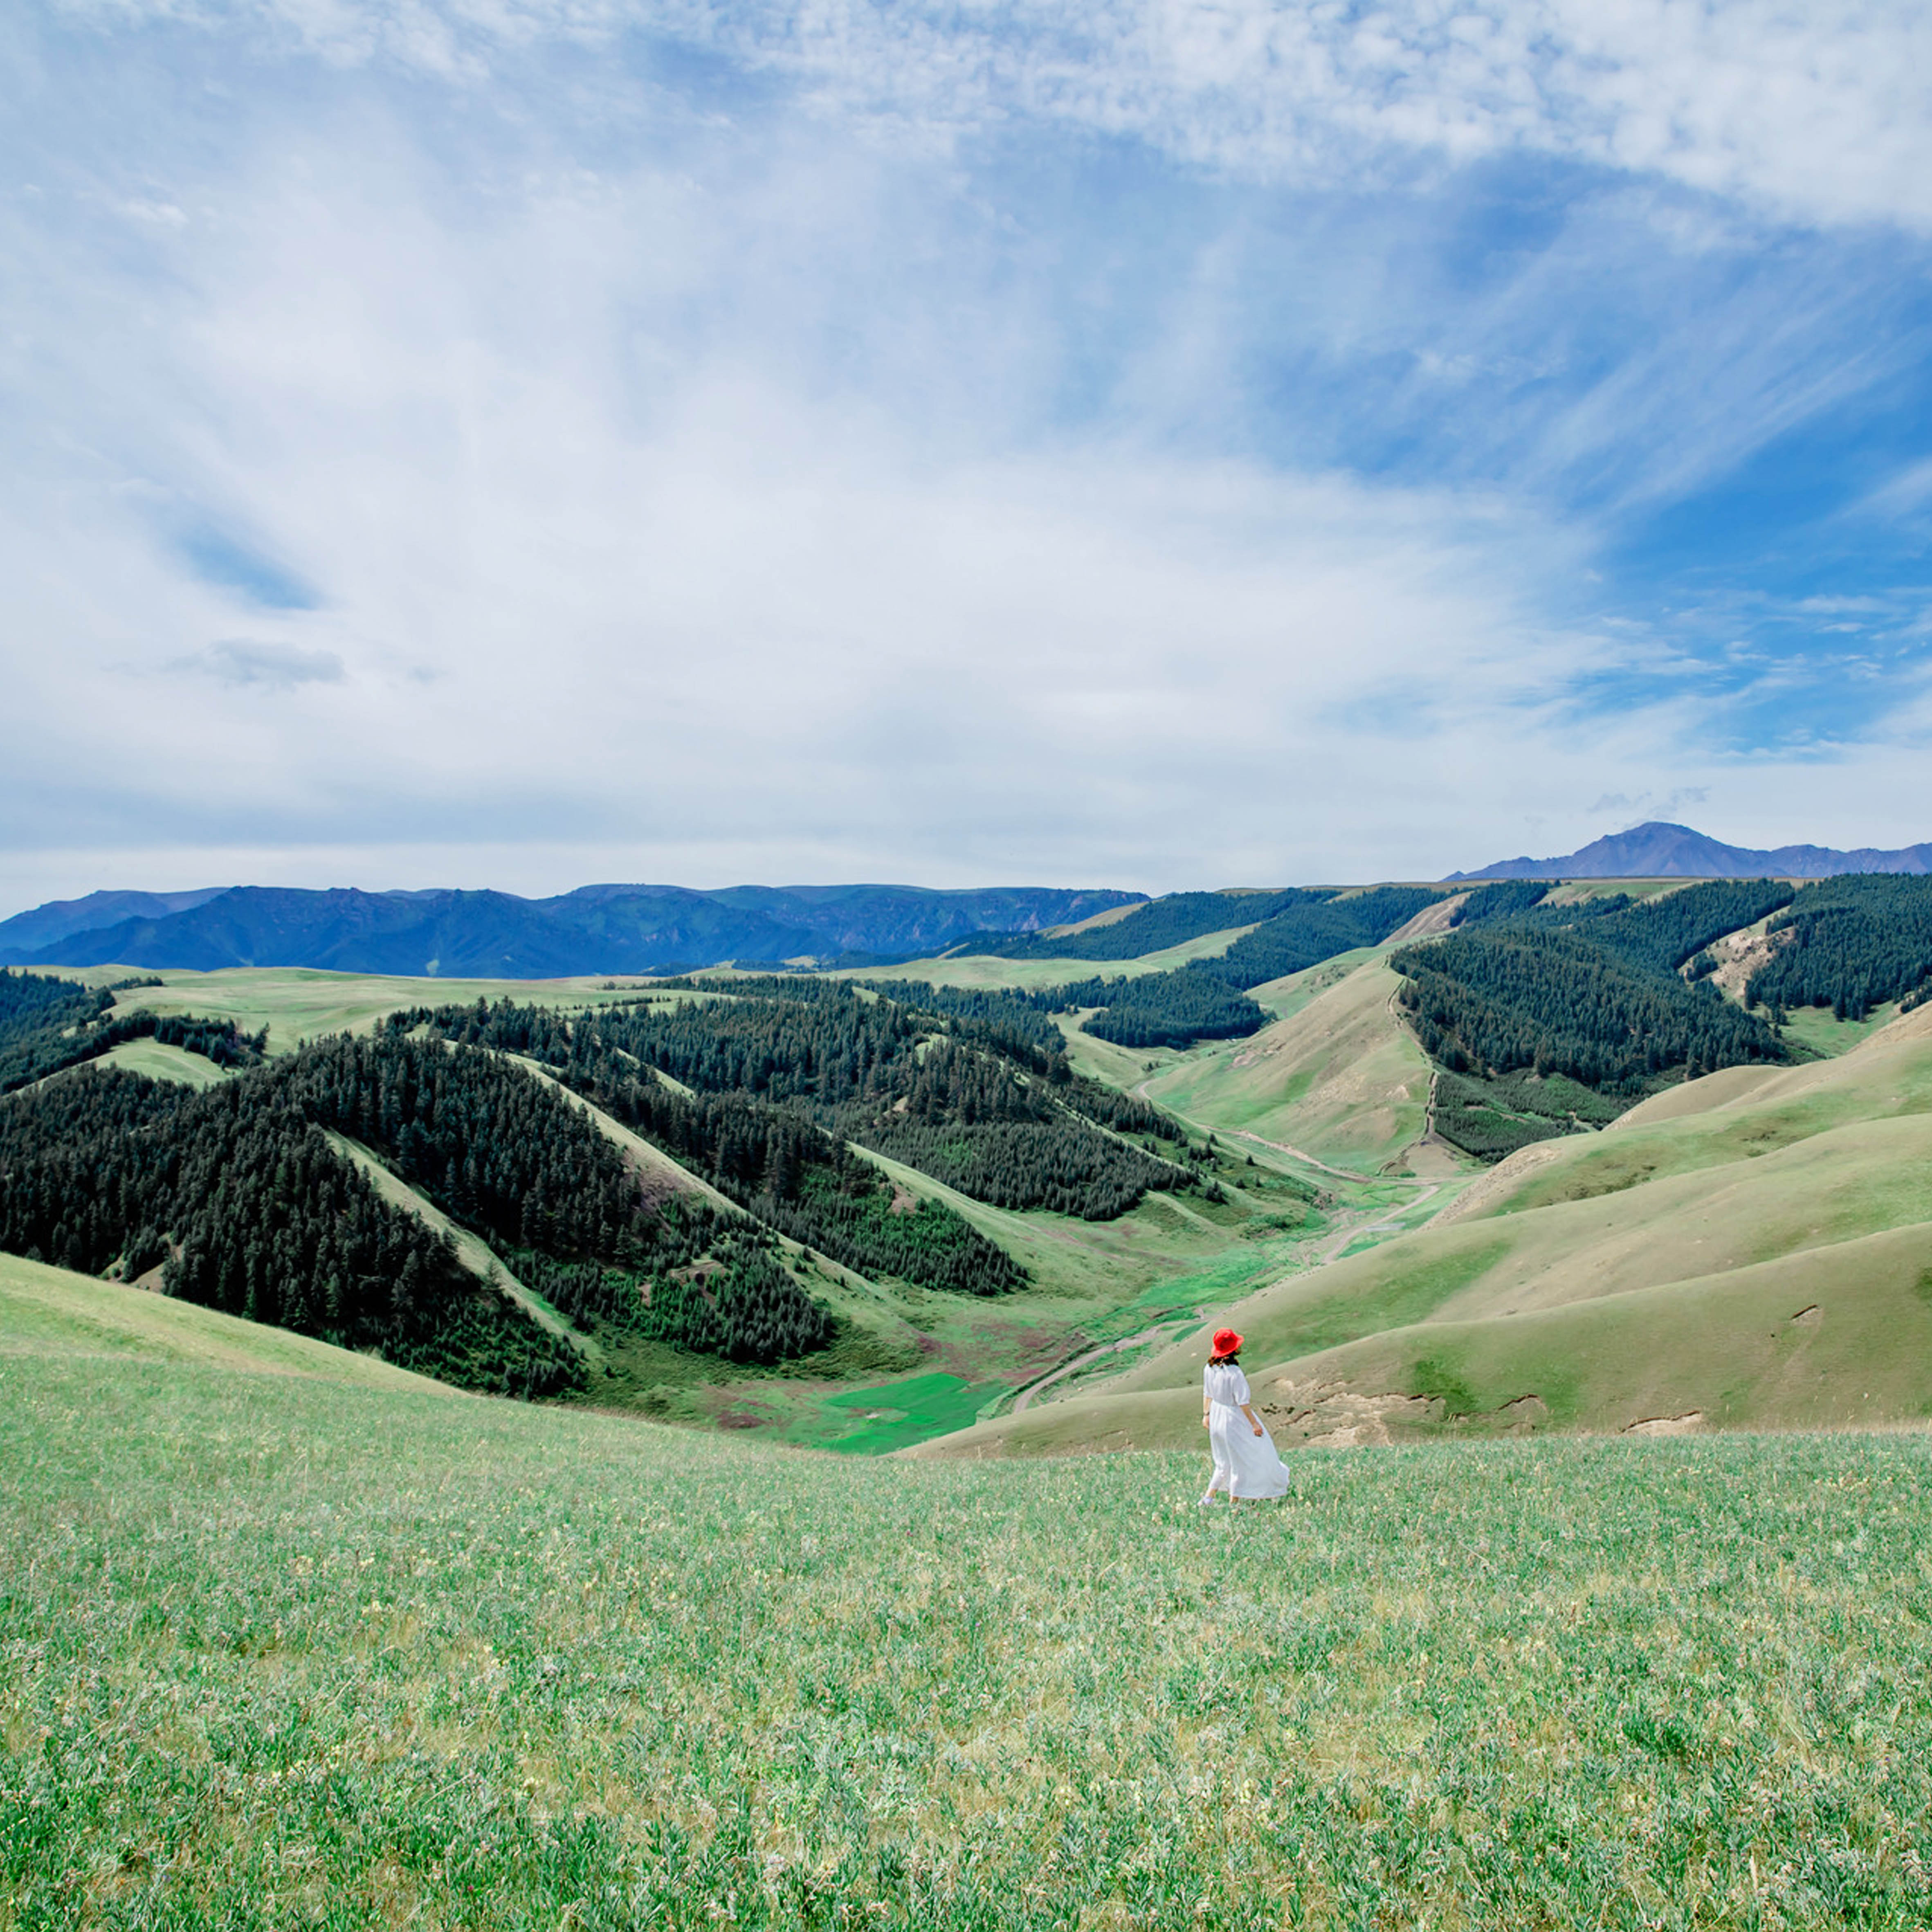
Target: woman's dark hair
(1221, 1361)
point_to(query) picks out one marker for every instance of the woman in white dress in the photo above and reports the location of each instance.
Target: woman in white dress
(1246, 1464)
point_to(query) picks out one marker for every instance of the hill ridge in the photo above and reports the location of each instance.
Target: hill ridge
(441, 933)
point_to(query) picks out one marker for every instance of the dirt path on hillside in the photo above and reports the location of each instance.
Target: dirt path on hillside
(1024, 1398)
(1334, 1243)
(1340, 1173)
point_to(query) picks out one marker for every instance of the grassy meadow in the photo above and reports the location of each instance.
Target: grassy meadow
(281, 1651)
(296, 1002)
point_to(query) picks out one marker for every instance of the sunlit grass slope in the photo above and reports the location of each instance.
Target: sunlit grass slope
(1744, 1250)
(297, 1003)
(983, 969)
(275, 1653)
(159, 1062)
(1340, 1077)
(47, 1312)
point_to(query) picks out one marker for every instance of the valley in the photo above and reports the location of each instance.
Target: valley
(990, 1213)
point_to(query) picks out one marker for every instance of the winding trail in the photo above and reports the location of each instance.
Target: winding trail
(1024, 1398)
(1340, 1237)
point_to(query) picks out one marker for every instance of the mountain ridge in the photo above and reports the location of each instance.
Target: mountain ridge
(1657, 850)
(596, 928)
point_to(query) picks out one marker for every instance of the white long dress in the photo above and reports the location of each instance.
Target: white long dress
(1246, 1465)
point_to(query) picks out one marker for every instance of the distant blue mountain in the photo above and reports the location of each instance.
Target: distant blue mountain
(611, 928)
(1660, 851)
(59, 918)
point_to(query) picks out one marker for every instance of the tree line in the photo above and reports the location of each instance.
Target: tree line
(1664, 933)
(240, 1200)
(1851, 944)
(496, 1147)
(1508, 997)
(982, 1099)
(773, 1159)
(48, 1025)
(1151, 928)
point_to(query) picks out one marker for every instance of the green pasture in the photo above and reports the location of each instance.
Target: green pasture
(978, 969)
(1813, 1027)
(48, 1311)
(875, 1421)
(277, 1652)
(297, 1003)
(163, 1063)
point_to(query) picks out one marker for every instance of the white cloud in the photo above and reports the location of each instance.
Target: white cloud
(1820, 113)
(268, 666)
(714, 515)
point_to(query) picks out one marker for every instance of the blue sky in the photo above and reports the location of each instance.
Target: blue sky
(477, 442)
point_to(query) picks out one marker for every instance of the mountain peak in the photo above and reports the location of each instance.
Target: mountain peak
(1658, 850)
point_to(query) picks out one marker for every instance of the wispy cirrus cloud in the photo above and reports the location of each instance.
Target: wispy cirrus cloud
(1819, 113)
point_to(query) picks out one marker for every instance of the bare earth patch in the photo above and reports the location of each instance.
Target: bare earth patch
(1739, 954)
(1325, 1415)
(1667, 1425)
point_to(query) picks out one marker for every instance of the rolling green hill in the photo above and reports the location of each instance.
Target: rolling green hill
(734, 1055)
(1755, 1248)
(48, 1312)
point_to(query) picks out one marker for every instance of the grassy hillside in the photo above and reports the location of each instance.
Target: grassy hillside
(47, 1312)
(985, 971)
(287, 1652)
(1754, 1249)
(1341, 1077)
(296, 1004)
(164, 1063)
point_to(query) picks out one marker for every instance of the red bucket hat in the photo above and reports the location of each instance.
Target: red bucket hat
(1226, 1342)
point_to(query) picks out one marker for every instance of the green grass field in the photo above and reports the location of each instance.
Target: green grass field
(1813, 1027)
(297, 1003)
(1028, 975)
(280, 1652)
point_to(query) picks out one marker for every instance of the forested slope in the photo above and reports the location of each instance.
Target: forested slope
(1554, 1017)
(977, 1093)
(1850, 944)
(234, 1193)
(285, 1196)
(48, 1025)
